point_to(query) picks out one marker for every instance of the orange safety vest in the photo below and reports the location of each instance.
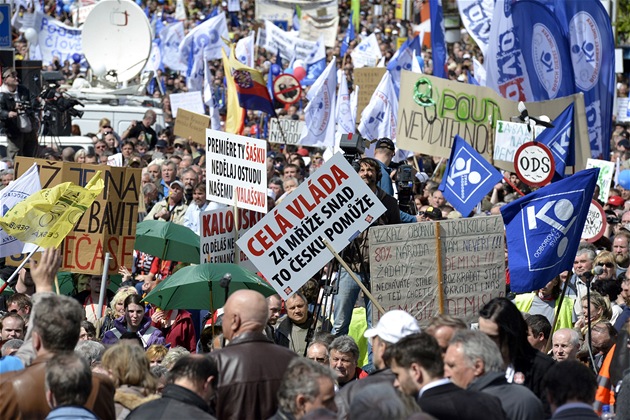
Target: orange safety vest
(605, 395)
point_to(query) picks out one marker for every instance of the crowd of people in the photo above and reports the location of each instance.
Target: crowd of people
(543, 353)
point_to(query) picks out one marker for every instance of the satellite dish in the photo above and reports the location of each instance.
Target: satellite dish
(117, 36)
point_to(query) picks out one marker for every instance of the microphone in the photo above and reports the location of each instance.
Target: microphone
(525, 117)
(598, 270)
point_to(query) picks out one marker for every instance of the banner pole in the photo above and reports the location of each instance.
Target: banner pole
(491, 140)
(17, 270)
(237, 251)
(557, 310)
(438, 246)
(355, 278)
(101, 297)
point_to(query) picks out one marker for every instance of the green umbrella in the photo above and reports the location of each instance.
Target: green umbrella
(193, 286)
(167, 241)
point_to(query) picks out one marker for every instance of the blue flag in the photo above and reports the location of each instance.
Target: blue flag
(468, 177)
(438, 44)
(543, 230)
(560, 140)
(545, 50)
(348, 37)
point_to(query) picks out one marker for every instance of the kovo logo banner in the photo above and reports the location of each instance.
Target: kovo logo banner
(467, 175)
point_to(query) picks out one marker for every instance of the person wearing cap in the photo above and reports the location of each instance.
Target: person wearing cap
(383, 153)
(391, 328)
(172, 208)
(430, 213)
(17, 118)
(614, 202)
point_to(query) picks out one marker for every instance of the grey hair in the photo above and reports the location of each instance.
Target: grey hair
(477, 345)
(173, 355)
(91, 351)
(301, 378)
(574, 336)
(13, 344)
(377, 401)
(589, 253)
(345, 344)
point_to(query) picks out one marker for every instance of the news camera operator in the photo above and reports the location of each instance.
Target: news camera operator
(18, 118)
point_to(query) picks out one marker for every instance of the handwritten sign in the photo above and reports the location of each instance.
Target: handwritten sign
(367, 79)
(595, 224)
(285, 130)
(109, 225)
(236, 170)
(509, 136)
(432, 111)
(217, 240)
(287, 245)
(192, 125)
(606, 172)
(404, 266)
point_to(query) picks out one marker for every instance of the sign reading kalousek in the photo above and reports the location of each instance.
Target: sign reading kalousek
(218, 236)
(333, 205)
(236, 170)
(109, 225)
(404, 266)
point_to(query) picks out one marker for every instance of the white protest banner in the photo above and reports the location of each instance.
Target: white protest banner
(367, 53)
(282, 10)
(217, 239)
(509, 136)
(277, 40)
(287, 245)
(57, 39)
(312, 27)
(236, 170)
(404, 267)
(606, 172)
(191, 101)
(285, 130)
(623, 109)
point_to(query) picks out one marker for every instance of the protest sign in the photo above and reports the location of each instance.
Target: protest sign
(606, 172)
(623, 109)
(595, 224)
(404, 267)
(218, 237)
(509, 136)
(287, 245)
(367, 79)
(56, 39)
(236, 170)
(283, 10)
(190, 101)
(312, 27)
(285, 130)
(192, 125)
(109, 225)
(432, 111)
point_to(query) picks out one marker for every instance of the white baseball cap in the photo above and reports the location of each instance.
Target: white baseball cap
(393, 326)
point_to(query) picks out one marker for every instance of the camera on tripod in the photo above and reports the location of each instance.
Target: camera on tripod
(55, 100)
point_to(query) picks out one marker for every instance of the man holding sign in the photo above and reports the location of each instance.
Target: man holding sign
(357, 254)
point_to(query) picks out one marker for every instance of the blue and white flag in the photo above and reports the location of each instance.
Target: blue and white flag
(315, 63)
(206, 39)
(367, 53)
(476, 16)
(348, 37)
(560, 140)
(545, 50)
(15, 192)
(402, 60)
(172, 36)
(593, 56)
(379, 117)
(543, 230)
(468, 177)
(245, 50)
(344, 114)
(438, 43)
(319, 114)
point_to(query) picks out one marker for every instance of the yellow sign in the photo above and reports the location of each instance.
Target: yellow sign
(191, 125)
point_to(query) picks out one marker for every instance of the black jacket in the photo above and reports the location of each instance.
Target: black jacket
(11, 126)
(176, 403)
(450, 402)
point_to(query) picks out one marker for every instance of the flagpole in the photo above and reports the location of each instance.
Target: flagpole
(557, 310)
(17, 270)
(438, 246)
(101, 297)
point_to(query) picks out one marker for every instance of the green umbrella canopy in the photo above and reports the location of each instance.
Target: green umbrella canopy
(167, 241)
(192, 286)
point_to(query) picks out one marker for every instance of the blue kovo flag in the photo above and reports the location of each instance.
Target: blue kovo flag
(468, 177)
(545, 50)
(319, 114)
(543, 230)
(593, 57)
(348, 37)
(438, 44)
(560, 140)
(315, 63)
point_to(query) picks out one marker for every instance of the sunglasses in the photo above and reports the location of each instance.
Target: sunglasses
(178, 146)
(607, 265)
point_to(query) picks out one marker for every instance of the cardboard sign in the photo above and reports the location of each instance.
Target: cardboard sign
(192, 125)
(191, 101)
(404, 266)
(367, 79)
(236, 170)
(606, 173)
(287, 245)
(109, 225)
(218, 236)
(285, 130)
(432, 110)
(509, 136)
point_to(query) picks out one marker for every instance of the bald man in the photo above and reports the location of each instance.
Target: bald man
(250, 366)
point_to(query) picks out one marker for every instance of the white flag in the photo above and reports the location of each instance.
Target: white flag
(207, 38)
(345, 117)
(245, 50)
(15, 192)
(172, 36)
(208, 98)
(378, 118)
(180, 10)
(319, 114)
(367, 53)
